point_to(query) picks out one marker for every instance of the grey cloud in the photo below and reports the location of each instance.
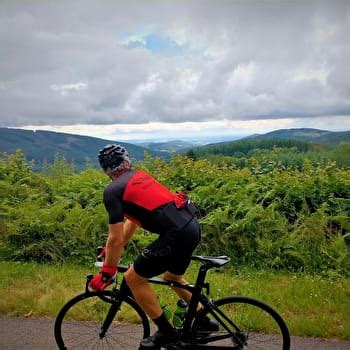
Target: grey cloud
(255, 60)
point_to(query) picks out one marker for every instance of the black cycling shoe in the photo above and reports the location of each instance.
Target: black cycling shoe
(205, 324)
(157, 340)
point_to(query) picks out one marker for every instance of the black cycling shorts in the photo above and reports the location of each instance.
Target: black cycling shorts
(169, 252)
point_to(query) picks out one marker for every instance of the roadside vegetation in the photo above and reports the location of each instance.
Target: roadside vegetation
(282, 216)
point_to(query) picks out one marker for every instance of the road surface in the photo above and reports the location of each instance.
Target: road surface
(18, 333)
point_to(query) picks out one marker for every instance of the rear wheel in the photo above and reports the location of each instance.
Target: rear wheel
(245, 323)
(98, 320)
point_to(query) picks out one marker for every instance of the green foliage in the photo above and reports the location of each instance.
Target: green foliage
(341, 155)
(267, 214)
(244, 147)
(49, 217)
(263, 213)
(271, 153)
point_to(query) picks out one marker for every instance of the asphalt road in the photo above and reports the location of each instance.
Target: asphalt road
(17, 333)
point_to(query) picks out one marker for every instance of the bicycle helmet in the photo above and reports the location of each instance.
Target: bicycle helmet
(111, 156)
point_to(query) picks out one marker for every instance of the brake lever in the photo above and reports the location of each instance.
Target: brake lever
(89, 277)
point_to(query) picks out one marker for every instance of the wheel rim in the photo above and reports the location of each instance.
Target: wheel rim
(81, 326)
(259, 327)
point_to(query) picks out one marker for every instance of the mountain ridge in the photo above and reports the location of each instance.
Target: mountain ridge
(42, 146)
(296, 137)
(302, 134)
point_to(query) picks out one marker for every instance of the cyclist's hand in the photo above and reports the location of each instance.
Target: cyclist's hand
(102, 280)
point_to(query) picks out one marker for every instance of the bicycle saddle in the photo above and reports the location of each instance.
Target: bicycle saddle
(214, 261)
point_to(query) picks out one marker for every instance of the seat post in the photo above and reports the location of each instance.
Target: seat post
(192, 308)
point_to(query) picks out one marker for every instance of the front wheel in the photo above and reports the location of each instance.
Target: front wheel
(244, 323)
(99, 320)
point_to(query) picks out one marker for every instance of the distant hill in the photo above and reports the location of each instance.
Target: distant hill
(299, 138)
(306, 134)
(169, 146)
(334, 138)
(242, 147)
(42, 146)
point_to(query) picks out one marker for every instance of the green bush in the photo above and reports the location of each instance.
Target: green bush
(264, 214)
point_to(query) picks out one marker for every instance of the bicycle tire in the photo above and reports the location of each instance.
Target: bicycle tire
(78, 324)
(260, 326)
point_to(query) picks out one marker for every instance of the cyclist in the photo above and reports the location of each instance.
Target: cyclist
(144, 202)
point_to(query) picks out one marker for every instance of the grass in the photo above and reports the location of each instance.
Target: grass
(311, 305)
(38, 290)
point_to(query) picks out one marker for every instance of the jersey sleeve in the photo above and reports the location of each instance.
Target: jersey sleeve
(113, 206)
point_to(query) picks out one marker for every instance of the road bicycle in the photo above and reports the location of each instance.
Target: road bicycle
(113, 320)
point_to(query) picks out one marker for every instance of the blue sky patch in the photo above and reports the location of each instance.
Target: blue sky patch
(157, 44)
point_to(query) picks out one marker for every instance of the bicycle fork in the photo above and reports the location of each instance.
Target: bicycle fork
(115, 307)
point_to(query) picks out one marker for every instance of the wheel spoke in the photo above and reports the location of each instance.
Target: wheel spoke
(78, 326)
(253, 323)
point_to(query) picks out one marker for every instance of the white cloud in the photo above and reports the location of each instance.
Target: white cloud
(70, 62)
(65, 89)
(301, 74)
(243, 76)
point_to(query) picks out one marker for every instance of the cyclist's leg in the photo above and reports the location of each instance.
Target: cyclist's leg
(182, 293)
(153, 261)
(185, 242)
(143, 293)
(187, 295)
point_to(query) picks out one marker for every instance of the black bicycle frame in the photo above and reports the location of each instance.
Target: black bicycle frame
(197, 297)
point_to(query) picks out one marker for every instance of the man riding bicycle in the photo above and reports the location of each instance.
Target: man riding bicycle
(144, 202)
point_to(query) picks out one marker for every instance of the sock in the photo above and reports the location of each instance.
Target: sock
(163, 324)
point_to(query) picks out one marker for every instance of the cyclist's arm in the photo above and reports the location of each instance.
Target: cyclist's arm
(118, 236)
(129, 230)
(115, 243)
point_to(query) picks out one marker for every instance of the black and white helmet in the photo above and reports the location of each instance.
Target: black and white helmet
(111, 156)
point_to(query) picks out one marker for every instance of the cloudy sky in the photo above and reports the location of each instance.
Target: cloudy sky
(155, 69)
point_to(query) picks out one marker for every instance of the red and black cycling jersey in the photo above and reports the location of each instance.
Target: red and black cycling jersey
(139, 197)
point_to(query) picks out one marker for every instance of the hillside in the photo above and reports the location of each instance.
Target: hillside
(334, 138)
(42, 146)
(242, 147)
(169, 146)
(285, 138)
(306, 134)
